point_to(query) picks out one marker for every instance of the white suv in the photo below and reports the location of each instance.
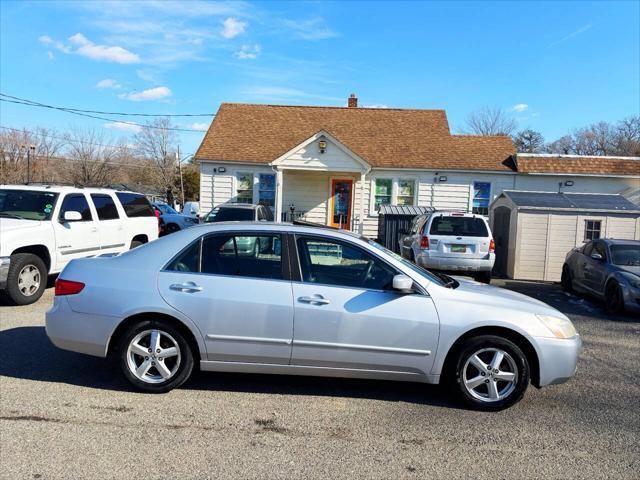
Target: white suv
(42, 228)
(451, 241)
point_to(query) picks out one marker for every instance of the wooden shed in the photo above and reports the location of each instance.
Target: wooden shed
(535, 230)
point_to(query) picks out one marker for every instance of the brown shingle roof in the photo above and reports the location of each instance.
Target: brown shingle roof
(578, 164)
(394, 138)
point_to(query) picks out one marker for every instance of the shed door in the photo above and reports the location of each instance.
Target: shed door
(501, 227)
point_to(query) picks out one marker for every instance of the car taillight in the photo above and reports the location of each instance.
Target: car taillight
(424, 243)
(68, 287)
(492, 246)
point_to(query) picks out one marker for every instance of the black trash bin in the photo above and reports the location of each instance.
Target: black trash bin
(394, 219)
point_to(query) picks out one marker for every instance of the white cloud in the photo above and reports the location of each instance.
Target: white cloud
(50, 55)
(248, 52)
(115, 54)
(108, 83)
(312, 29)
(45, 39)
(232, 27)
(199, 126)
(518, 107)
(122, 126)
(156, 93)
(50, 42)
(582, 29)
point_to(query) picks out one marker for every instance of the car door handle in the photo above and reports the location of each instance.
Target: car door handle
(188, 287)
(94, 229)
(316, 299)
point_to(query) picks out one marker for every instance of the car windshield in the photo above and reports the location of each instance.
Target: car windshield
(419, 270)
(459, 227)
(27, 204)
(625, 255)
(230, 214)
(165, 209)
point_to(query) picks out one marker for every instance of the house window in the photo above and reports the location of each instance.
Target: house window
(267, 190)
(406, 192)
(481, 197)
(592, 229)
(244, 188)
(383, 187)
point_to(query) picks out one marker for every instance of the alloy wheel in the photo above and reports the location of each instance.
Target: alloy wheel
(153, 356)
(29, 280)
(490, 375)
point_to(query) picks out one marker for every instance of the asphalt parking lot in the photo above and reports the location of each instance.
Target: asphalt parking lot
(68, 415)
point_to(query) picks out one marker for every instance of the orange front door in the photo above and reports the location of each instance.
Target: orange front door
(340, 204)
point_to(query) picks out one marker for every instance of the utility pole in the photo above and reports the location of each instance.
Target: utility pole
(29, 149)
(180, 170)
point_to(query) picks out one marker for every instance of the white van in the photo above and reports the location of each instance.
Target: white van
(43, 227)
(457, 242)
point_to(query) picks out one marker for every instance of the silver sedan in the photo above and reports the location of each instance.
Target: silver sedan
(309, 301)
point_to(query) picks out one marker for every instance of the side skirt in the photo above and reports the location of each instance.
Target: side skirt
(238, 367)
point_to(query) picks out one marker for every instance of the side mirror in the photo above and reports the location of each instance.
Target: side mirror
(403, 284)
(596, 256)
(72, 216)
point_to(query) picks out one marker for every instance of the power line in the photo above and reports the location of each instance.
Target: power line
(35, 104)
(114, 113)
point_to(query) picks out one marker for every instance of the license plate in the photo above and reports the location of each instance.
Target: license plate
(458, 248)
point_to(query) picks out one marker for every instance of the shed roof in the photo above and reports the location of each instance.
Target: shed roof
(571, 201)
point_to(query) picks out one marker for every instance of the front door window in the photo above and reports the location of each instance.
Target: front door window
(340, 213)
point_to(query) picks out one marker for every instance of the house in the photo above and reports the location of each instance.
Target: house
(534, 231)
(338, 165)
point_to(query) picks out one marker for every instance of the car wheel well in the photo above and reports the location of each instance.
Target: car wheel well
(610, 282)
(515, 337)
(140, 238)
(122, 327)
(39, 251)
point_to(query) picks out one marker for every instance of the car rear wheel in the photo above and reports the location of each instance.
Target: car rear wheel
(613, 298)
(171, 228)
(492, 373)
(155, 356)
(26, 279)
(482, 277)
(565, 280)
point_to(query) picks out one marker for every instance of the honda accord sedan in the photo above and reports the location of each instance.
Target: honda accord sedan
(309, 301)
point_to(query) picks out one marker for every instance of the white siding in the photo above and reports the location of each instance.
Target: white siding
(561, 239)
(333, 159)
(623, 227)
(531, 247)
(309, 193)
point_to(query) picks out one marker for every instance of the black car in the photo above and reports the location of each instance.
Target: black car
(232, 212)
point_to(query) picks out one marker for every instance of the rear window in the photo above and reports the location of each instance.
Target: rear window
(231, 215)
(135, 205)
(105, 206)
(459, 227)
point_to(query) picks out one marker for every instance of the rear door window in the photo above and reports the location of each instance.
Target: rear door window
(135, 204)
(459, 227)
(105, 206)
(245, 255)
(76, 202)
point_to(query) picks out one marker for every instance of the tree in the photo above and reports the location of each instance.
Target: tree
(562, 146)
(89, 161)
(528, 141)
(190, 181)
(627, 136)
(157, 142)
(490, 121)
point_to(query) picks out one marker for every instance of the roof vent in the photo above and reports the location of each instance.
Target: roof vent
(353, 101)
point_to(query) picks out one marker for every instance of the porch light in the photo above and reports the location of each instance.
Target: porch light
(322, 145)
(442, 178)
(568, 183)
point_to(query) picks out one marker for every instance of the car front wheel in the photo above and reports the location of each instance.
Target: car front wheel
(154, 356)
(27, 278)
(492, 373)
(613, 298)
(566, 280)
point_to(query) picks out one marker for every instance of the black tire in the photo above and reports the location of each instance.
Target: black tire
(566, 280)
(183, 367)
(613, 299)
(18, 294)
(135, 244)
(171, 228)
(483, 277)
(513, 393)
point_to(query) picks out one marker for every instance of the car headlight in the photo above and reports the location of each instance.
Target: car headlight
(560, 327)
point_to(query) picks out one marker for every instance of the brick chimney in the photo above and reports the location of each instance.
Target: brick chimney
(353, 101)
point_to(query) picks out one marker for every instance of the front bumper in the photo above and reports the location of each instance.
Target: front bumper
(458, 264)
(4, 271)
(558, 359)
(79, 332)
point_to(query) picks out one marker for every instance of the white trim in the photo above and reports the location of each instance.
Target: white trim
(563, 155)
(330, 195)
(322, 133)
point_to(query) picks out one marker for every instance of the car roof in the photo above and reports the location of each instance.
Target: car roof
(277, 227)
(455, 213)
(64, 189)
(616, 241)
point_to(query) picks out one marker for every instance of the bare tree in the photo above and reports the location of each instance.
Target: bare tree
(89, 159)
(490, 121)
(13, 163)
(157, 143)
(562, 146)
(627, 136)
(48, 146)
(528, 141)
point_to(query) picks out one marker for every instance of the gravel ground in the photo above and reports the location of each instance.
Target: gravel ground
(69, 415)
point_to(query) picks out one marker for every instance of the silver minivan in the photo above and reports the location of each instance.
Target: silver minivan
(457, 242)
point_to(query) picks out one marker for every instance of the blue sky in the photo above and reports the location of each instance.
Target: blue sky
(556, 66)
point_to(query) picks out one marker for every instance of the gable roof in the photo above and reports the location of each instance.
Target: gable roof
(577, 164)
(571, 201)
(383, 137)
